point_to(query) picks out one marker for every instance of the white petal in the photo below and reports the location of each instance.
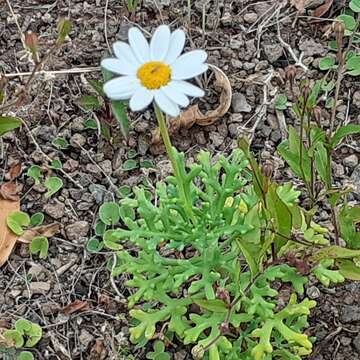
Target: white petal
(159, 44)
(123, 50)
(139, 45)
(175, 95)
(166, 105)
(141, 99)
(177, 43)
(187, 88)
(189, 65)
(121, 88)
(121, 67)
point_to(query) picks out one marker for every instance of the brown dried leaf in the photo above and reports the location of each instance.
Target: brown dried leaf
(7, 237)
(15, 171)
(300, 5)
(98, 351)
(323, 9)
(193, 115)
(77, 305)
(10, 191)
(43, 230)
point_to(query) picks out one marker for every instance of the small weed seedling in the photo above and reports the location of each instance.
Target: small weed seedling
(25, 335)
(111, 113)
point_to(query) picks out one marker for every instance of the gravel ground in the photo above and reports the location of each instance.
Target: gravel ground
(241, 39)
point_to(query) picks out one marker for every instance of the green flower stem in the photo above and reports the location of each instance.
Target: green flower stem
(170, 152)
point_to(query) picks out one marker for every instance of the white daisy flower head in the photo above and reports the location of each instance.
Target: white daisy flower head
(155, 71)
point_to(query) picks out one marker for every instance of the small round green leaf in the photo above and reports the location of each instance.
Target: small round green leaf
(8, 123)
(348, 20)
(94, 245)
(25, 355)
(281, 102)
(130, 165)
(100, 228)
(90, 124)
(147, 164)
(39, 245)
(60, 143)
(33, 335)
(56, 164)
(109, 213)
(16, 221)
(355, 6)
(125, 190)
(34, 171)
(37, 219)
(53, 185)
(14, 337)
(326, 63)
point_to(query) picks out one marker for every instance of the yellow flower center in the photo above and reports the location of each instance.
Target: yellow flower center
(154, 74)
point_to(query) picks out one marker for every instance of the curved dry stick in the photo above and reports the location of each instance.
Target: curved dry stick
(193, 115)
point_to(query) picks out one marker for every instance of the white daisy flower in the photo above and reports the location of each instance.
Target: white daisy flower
(155, 72)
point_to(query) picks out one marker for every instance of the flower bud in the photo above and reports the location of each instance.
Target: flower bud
(317, 115)
(224, 328)
(267, 170)
(198, 352)
(31, 41)
(339, 31)
(306, 93)
(290, 74)
(223, 294)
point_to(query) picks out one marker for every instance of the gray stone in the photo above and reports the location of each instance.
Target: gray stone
(55, 210)
(142, 126)
(356, 342)
(76, 193)
(236, 44)
(216, 138)
(77, 140)
(355, 180)
(77, 124)
(251, 47)
(235, 130)
(239, 103)
(77, 230)
(93, 169)
(85, 338)
(273, 52)
(39, 287)
(313, 292)
(97, 192)
(84, 206)
(275, 136)
(71, 165)
(356, 99)
(262, 65)
(346, 341)
(251, 17)
(338, 169)
(200, 138)
(237, 64)
(44, 132)
(310, 48)
(350, 313)
(106, 167)
(266, 131)
(351, 161)
(143, 144)
(248, 66)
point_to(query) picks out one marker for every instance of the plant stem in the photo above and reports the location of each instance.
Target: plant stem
(170, 152)
(342, 55)
(301, 152)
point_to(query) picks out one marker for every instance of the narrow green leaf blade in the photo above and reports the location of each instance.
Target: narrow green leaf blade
(119, 111)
